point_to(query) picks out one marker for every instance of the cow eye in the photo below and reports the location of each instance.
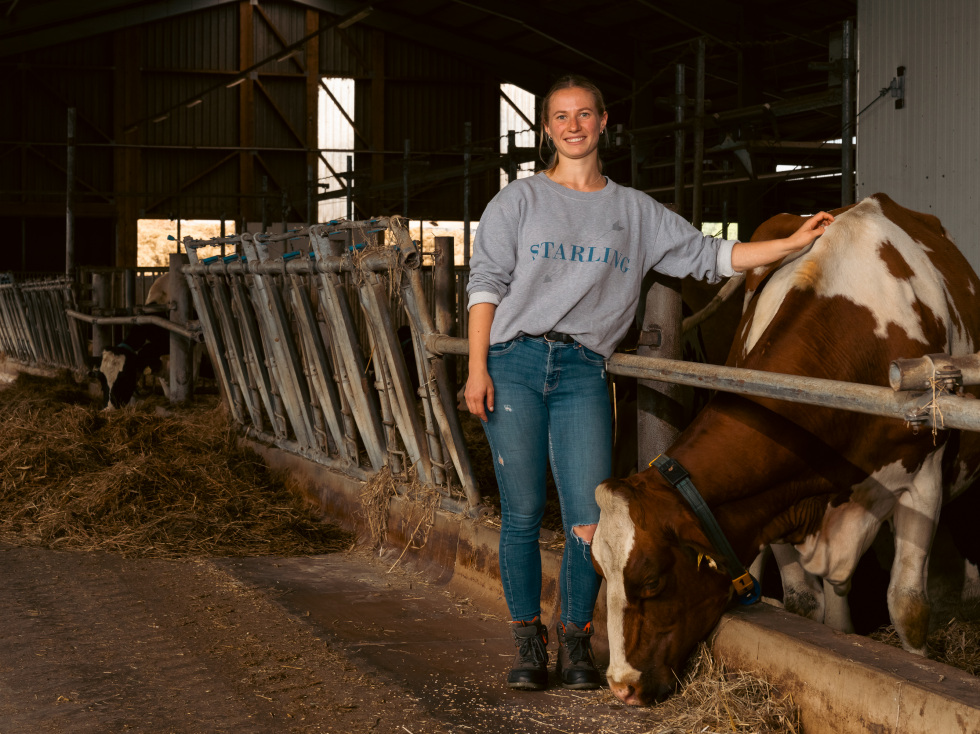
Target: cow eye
(653, 587)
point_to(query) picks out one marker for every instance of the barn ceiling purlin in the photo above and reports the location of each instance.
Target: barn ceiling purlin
(179, 116)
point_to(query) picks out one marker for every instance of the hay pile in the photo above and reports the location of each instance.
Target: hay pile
(140, 484)
(712, 699)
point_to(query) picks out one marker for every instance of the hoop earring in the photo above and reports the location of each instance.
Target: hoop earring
(551, 143)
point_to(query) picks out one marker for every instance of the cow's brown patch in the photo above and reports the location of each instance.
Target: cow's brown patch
(897, 266)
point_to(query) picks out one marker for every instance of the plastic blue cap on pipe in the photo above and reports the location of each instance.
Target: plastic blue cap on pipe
(228, 258)
(290, 255)
(213, 258)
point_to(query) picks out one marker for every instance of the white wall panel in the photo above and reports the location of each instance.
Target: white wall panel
(926, 156)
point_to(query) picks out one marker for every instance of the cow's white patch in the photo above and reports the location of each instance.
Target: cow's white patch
(112, 367)
(611, 547)
(159, 291)
(845, 262)
(849, 529)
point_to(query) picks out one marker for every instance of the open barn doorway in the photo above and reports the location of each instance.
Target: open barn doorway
(158, 238)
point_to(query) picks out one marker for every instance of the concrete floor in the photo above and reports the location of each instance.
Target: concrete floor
(415, 636)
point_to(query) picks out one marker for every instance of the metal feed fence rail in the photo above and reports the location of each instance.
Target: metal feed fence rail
(922, 391)
(297, 372)
(34, 328)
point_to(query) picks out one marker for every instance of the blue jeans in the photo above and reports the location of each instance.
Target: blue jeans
(550, 402)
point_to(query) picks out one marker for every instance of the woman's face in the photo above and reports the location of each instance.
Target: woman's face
(573, 122)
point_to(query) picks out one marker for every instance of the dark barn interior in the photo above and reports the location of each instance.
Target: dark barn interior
(207, 109)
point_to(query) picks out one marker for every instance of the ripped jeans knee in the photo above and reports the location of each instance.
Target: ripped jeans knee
(585, 533)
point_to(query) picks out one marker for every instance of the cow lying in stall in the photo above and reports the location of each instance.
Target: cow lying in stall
(882, 283)
(146, 346)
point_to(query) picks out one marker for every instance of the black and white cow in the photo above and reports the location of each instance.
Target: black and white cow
(147, 346)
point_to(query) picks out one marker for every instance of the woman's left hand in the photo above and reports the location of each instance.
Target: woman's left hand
(811, 229)
(748, 255)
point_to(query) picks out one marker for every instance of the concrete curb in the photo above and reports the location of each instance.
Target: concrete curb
(843, 683)
(847, 683)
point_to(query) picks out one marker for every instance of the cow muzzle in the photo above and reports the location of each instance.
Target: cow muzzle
(636, 694)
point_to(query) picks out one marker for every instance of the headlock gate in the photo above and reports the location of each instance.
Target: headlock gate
(283, 337)
(34, 326)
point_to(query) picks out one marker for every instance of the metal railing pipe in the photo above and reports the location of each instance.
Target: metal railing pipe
(948, 411)
(955, 412)
(188, 332)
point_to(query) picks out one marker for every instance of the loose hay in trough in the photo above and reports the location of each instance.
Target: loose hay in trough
(956, 643)
(139, 483)
(713, 700)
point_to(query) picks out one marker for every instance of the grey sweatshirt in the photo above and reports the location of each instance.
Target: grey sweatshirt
(551, 258)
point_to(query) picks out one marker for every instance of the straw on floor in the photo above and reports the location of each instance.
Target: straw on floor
(141, 482)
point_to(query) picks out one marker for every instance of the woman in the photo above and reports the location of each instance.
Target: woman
(554, 282)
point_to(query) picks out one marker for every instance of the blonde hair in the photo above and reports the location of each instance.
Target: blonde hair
(569, 81)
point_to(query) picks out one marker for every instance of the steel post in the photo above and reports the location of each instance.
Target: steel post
(70, 196)
(848, 119)
(680, 102)
(181, 351)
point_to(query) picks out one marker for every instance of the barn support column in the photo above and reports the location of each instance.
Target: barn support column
(444, 289)
(312, 99)
(246, 114)
(680, 102)
(659, 405)
(377, 115)
(849, 119)
(697, 199)
(181, 350)
(70, 197)
(644, 115)
(751, 209)
(101, 334)
(126, 160)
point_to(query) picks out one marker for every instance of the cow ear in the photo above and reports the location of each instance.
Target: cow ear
(612, 493)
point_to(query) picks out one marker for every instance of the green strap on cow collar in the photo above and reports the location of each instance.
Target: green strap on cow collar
(746, 587)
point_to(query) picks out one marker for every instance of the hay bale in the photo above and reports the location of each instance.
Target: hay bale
(141, 482)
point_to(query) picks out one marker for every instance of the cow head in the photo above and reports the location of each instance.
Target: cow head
(666, 588)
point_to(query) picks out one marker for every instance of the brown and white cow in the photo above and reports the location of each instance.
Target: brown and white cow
(882, 283)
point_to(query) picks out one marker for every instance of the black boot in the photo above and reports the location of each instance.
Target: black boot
(530, 671)
(576, 666)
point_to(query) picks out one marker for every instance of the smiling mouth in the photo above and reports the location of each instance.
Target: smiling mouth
(575, 140)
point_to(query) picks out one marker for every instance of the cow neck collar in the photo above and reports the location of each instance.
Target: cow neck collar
(746, 586)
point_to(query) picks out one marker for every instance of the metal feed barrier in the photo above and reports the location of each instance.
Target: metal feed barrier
(282, 334)
(34, 327)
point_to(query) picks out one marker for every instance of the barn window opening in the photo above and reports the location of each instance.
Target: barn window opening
(154, 243)
(426, 231)
(517, 114)
(720, 229)
(336, 133)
